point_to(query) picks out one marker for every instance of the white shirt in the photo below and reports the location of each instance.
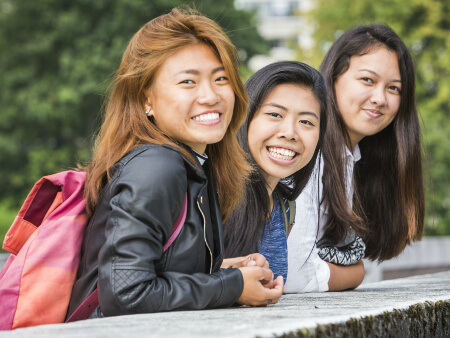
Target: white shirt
(307, 272)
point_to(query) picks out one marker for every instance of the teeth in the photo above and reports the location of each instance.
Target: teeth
(281, 153)
(206, 117)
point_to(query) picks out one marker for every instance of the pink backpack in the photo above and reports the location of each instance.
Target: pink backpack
(45, 242)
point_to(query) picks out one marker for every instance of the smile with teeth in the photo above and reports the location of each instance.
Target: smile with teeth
(281, 153)
(206, 117)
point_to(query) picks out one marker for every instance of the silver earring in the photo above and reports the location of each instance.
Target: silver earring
(147, 112)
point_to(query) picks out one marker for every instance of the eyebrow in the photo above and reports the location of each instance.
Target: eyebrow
(276, 105)
(376, 74)
(196, 71)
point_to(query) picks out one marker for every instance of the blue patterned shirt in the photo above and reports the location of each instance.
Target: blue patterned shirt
(274, 244)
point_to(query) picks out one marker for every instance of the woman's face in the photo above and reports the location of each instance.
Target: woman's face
(191, 98)
(283, 134)
(368, 93)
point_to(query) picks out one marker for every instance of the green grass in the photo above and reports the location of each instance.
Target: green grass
(7, 216)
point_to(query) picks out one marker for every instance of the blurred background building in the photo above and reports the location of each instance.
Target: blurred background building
(281, 24)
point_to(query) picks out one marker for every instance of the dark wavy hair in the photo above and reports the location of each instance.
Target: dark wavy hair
(389, 203)
(245, 226)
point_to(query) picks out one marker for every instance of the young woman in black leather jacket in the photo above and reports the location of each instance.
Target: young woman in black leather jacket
(169, 133)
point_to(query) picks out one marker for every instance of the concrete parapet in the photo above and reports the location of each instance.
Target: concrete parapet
(407, 307)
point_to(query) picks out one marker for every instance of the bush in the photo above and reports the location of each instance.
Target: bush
(7, 215)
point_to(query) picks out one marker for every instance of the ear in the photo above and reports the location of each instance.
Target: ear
(148, 106)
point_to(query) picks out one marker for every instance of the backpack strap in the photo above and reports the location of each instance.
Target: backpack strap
(291, 213)
(288, 223)
(90, 304)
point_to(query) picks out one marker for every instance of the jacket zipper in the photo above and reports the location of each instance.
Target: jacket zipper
(204, 236)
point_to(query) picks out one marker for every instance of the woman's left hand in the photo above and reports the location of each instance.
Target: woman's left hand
(255, 259)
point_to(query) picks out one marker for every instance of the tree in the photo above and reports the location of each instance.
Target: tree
(424, 26)
(57, 60)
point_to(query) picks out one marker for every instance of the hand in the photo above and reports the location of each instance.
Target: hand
(255, 292)
(255, 259)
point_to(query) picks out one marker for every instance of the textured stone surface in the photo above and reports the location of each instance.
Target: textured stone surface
(414, 306)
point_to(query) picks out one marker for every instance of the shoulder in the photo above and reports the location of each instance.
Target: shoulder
(156, 154)
(152, 164)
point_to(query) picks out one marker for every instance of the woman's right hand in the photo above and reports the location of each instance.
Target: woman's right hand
(259, 287)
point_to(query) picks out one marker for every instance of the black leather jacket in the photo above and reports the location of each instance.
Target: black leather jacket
(122, 250)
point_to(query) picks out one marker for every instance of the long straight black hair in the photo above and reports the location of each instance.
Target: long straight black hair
(389, 203)
(245, 227)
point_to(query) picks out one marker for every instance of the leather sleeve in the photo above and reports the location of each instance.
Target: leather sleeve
(144, 205)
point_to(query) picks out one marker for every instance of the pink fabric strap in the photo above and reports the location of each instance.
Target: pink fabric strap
(86, 308)
(178, 224)
(90, 304)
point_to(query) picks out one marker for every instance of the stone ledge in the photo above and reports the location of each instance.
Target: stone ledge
(407, 307)
(421, 320)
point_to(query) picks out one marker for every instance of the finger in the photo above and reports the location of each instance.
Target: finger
(273, 296)
(260, 260)
(266, 275)
(251, 263)
(268, 284)
(279, 284)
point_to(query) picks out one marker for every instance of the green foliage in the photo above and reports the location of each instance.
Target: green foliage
(424, 26)
(7, 215)
(56, 60)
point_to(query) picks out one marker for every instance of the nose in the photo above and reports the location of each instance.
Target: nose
(378, 96)
(287, 130)
(208, 94)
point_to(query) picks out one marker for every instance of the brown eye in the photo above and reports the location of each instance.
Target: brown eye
(222, 78)
(308, 123)
(395, 89)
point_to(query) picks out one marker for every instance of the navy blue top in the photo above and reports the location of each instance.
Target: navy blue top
(274, 244)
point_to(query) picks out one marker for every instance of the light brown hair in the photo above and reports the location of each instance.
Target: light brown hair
(126, 126)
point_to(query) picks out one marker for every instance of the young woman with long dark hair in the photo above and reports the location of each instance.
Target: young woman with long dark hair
(368, 181)
(282, 135)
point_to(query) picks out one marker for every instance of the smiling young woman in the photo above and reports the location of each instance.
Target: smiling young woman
(282, 135)
(167, 146)
(192, 105)
(368, 180)
(368, 93)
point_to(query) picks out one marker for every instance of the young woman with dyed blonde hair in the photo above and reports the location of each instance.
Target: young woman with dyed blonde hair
(169, 135)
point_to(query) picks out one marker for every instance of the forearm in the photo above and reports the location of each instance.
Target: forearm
(343, 277)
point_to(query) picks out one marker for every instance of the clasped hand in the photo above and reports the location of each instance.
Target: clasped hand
(260, 289)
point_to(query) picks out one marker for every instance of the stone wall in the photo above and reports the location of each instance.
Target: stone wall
(406, 307)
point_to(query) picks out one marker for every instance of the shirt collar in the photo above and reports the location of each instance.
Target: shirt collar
(201, 157)
(355, 155)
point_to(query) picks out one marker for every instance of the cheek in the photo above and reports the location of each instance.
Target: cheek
(227, 94)
(253, 142)
(310, 141)
(395, 105)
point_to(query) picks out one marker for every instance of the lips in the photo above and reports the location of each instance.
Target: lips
(373, 113)
(282, 153)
